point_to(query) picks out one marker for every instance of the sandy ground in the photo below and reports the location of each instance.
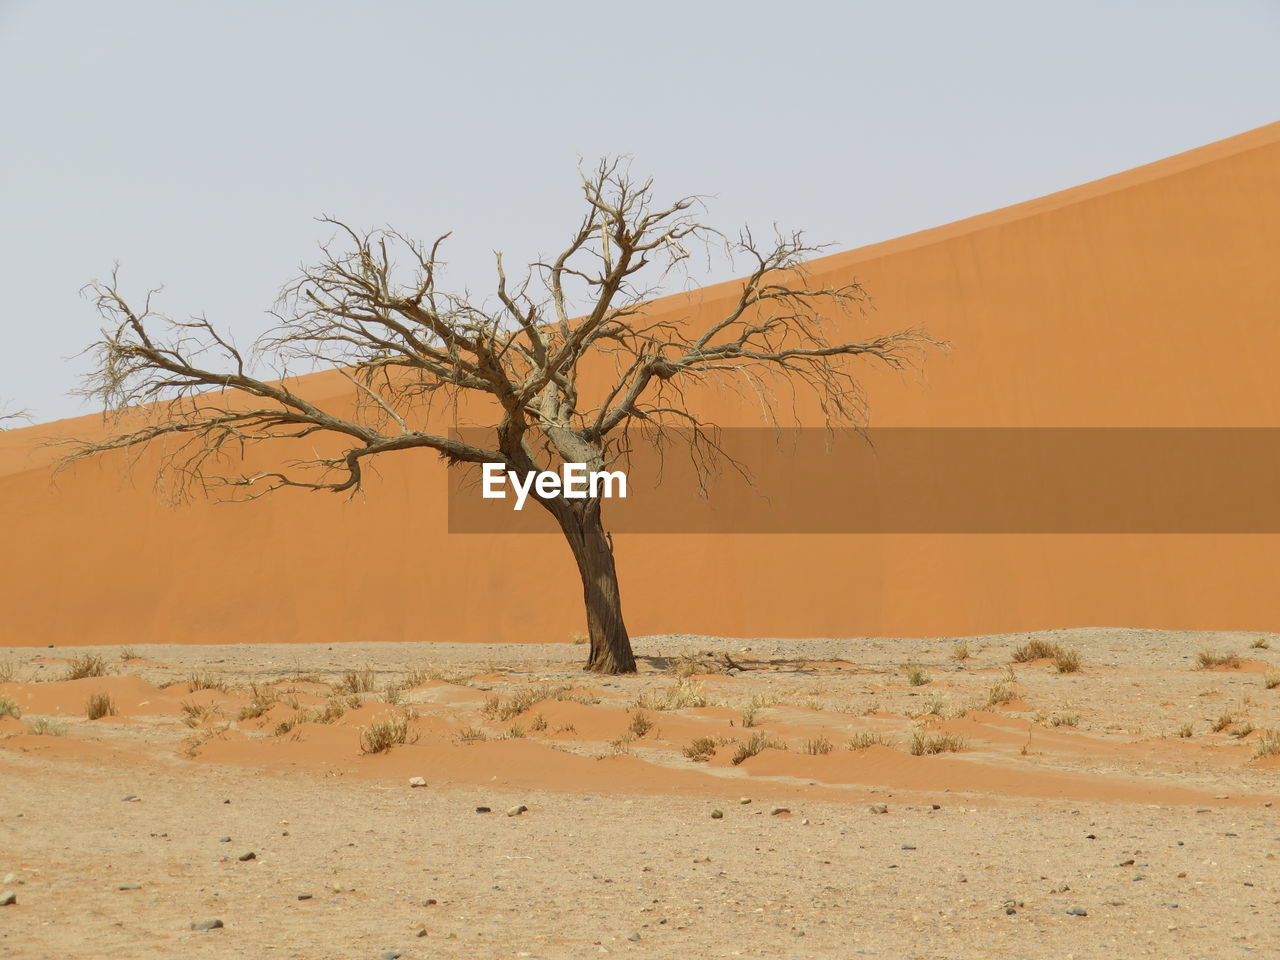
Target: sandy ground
(1074, 793)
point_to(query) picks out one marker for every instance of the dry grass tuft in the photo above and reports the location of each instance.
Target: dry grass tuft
(472, 735)
(1068, 660)
(1000, 692)
(701, 749)
(915, 675)
(385, 733)
(1037, 649)
(260, 704)
(926, 744)
(1224, 720)
(1207, 660)
(1260, 644)
(1185, 731)
(203, 680)
(495, 708)
(1268, 745)
(363, 680)
(44, 727)
(641, 723)
(1065, 720)
(85, 665)
(684, 694)
(758, 742)
(194, 715)
(1271, 679)
(864, 739)
(8, 672)
(817, 747)
(961, 651)
(99, 705)
(128, 653)
(539, 723)
(8, 708)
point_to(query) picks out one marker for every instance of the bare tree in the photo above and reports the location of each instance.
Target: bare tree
(372, 310)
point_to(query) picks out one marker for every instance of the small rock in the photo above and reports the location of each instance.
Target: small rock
(304, 896)
(778, 811)
(206, 925)
(8, 898)
(429, 902)
(906, 846)
(389, 955)
(421, 933)
(935, 806)
(10, 879)
(483, 810)
(878, 808)
(224, 840)
(246, 857)
(744, 799)
(131, 799)
(804, 822)
(517, 810)
(634, 936)
(1078, 912)
(417, 782)
(717, 814)
(129, 886)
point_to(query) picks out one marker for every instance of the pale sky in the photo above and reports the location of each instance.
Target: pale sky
(196, 143)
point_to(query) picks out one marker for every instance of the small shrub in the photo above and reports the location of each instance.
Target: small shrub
(580, 638)
(1185, 731)
(514, 732)
(936, 705)
(961, 651)
(684, 694)
(85, 665)
(1260, 644)
(333, 710)
(864, 739)
(1271, 679)
(44, 727)
(750, 711)
(700, 749)
(472, 735)
(1065, 720)
(99, 705)
(1037, 649)
(758, 742)
(393, 693)
(9, 708)
(128, 653)
(1242, 731)
(817, 747)
(1207, 660)
(8, 672)
(539, 723)
(385, 733)
(1268, 744)
(916, 676)
(288, 723)
(641, 724)
(926, 744)
(1067, 660)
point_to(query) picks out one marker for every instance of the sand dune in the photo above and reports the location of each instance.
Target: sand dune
(1142, 299)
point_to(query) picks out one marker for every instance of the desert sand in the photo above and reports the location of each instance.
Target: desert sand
(1066, 791)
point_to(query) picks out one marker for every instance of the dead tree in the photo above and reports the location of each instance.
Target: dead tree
(373, 310)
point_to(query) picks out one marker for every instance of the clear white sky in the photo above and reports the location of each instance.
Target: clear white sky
(195, 143)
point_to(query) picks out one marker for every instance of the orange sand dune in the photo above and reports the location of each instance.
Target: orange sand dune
(1144, 299)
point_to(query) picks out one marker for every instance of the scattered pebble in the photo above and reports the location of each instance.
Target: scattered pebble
(906, 846)
(129, 886)
(744, 799)
(245, 857)
(483, 810)
(634, 936)
(224, 840)
(304, 896)
(131, 799)
(778, 811)
(1078, 912)
(878, 808)
(517, 810)
(417, 782)
(8, 898)
(717, 814)
(421, 933)
(389, 955)
(206, 925)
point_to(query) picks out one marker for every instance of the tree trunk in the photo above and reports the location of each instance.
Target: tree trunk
(610, 642)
